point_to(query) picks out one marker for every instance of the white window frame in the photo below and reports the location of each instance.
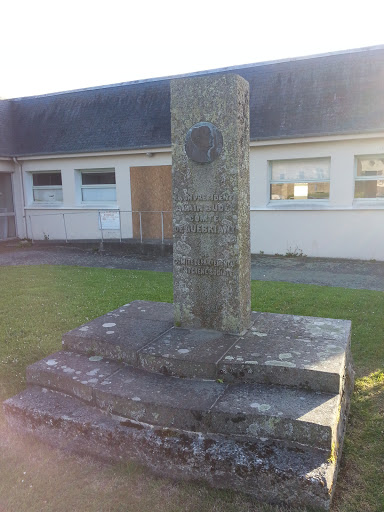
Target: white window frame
(367, 200)
(98, 187)
(297, 202)
(46, 187)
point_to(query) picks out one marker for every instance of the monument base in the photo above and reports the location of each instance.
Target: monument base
(263, 413)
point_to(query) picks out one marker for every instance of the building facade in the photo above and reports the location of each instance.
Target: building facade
(82, 165)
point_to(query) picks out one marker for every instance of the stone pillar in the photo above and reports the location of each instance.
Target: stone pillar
(210, 181)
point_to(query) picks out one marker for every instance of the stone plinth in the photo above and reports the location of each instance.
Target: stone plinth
(210, 173)
(263, 418)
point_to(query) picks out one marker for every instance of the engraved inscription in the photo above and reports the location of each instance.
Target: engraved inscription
(204, 208)
(204, 213)
(207, 271)
(205, 266)
(206, 197)
(204, 228)
(211, 262)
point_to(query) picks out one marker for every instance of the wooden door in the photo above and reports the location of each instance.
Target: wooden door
(151, 193)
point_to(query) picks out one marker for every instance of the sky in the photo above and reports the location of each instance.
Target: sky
(52, 46)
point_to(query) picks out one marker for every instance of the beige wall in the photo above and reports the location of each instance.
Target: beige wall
(331, 234)
(48, 222)
(340, 227)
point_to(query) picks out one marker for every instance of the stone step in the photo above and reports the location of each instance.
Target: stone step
(275, 472)
(251, 410)
(120, 334)
(304, 352)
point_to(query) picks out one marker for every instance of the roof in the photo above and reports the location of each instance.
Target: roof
(338, 93)
(6, 146)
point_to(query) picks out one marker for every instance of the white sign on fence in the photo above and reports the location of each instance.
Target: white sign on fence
(109, 220)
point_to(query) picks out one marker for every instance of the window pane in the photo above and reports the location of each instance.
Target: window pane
(98, 178)
(369, 189)
(45, 179)
(47, 195)
(98, 194)
(301, 170)
(370, 166)
(283, 191)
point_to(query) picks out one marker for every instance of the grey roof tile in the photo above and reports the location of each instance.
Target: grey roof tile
(339, 93)
(6, 146)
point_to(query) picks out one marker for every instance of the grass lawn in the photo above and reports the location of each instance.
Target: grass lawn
(38, 304)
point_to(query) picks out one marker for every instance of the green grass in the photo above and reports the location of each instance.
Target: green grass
(38, 304)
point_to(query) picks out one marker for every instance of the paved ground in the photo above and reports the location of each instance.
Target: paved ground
(84, 255)
(320, 271)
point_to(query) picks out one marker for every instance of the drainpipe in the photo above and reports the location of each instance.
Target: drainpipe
(16, 162)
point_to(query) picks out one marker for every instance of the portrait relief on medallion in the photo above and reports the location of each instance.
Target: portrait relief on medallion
(203, 143)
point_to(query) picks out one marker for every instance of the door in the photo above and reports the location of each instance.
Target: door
(7, 212)
(151, 193)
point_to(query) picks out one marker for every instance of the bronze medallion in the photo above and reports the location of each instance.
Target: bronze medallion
(203, 143)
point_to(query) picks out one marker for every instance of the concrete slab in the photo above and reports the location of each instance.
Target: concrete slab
(254, 410)
(306, 352)
(277, 412)
(158, 400)
(191, 353)
(71, 373)
(274, 472)
(162, 311)
(121, 333)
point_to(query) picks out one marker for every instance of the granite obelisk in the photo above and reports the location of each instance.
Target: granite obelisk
(210, 173)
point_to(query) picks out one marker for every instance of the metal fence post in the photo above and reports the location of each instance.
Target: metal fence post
(100, 224)
(30, 223)
(162, 227)
(65, 229)
(101, 231)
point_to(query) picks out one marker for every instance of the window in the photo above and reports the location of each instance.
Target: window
(47, 187)
(369, 179)
(300, 179)
(98, 186)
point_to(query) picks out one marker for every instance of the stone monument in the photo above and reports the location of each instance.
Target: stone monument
(203, 389)
(210, 181)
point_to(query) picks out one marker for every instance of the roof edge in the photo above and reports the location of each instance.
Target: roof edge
(205, 72)
(168, 147)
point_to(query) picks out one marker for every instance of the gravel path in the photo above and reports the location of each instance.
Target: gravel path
(321, 271)
(86, 255)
